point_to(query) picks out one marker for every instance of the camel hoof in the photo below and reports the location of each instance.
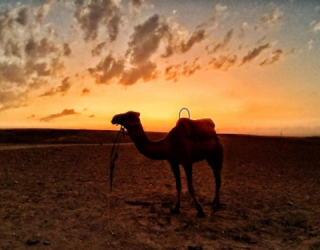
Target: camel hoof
(201, 214)
(175, 210)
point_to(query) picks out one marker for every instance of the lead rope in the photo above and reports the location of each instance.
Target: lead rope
(115, 149)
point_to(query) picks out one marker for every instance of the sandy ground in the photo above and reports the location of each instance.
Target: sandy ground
(58, 198)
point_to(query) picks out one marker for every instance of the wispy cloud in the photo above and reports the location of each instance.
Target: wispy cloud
(85, 91)
(55, 116)
(62, 89)
(254, 53)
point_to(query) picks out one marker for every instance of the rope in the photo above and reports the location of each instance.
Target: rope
(113, 157)
(114, 154)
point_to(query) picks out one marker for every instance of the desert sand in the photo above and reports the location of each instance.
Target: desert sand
(58, 197)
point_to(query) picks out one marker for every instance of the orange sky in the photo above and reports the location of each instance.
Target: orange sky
(253, 72)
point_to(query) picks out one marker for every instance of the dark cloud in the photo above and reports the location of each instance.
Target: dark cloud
(175, 45)
(40, 68)
(41, 48)
(98, 49)
(91, 15)
(85, 91)
(224, 62)
(65, 86)
(196, 37)
(254, 53)
(66, 49)
(91, 116)
(107, 69)
(55, 116)
(221, 45)
(31, 116)
(145, 39)
(12, 73)
(146, 72)
(22, 17)
(56, 65)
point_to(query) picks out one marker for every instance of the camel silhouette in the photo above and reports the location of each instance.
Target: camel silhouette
(188, 142)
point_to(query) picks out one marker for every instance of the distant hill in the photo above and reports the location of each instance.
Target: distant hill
(60, 136)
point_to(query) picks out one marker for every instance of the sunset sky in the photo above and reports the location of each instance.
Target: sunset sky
(251, 66)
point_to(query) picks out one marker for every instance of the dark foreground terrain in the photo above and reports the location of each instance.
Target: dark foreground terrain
(58, 198)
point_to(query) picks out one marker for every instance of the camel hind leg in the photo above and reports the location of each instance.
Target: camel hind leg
(176, 172)
(215, 162)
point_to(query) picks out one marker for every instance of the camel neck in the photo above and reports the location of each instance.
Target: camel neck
(154, 150)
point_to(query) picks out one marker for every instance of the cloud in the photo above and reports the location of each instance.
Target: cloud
(55, 116)
(12, 73)
(224, 62)
(66, 49)
(108, 69)
(22, 17)
(91, 15)
(221, 8)
(221, 45)
(98, 49)
(315, 26)
(254, 53)
(63, 88)
(273, 18)
(177, 44)
(145, 39)
(135, 5)
(310, 45)
(91, 116)
(276, 55)
(6, 24)
(176, 71)
(43, 10)
(40, 49)
(196, 37)
(85, 91)
(12, 49)
(31, 116)
(40, 68)
(65, 85)
(146, 72)
(12, 99)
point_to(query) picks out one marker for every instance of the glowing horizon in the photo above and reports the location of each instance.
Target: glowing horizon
(252, 68)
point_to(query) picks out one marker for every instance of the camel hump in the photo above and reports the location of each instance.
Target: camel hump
(198, 128)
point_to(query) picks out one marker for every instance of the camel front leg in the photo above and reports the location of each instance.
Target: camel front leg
(188, 170)
(176, 172)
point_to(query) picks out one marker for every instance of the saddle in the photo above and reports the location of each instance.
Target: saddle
(198, 129)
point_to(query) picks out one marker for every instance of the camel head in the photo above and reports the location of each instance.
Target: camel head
(126, 119)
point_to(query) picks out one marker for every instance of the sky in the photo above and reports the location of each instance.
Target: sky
(251, 66)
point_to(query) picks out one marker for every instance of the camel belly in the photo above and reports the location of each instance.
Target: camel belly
(194, 151)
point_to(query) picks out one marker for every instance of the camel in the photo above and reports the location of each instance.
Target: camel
(188, 142)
